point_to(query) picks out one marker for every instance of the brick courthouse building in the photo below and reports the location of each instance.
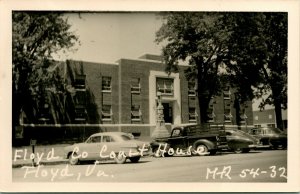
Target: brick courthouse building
(123, 97)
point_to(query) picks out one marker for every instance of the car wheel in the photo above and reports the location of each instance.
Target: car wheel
(200, 150)
(73, 159)
(120, 158)
(237, 150)
(135, 159)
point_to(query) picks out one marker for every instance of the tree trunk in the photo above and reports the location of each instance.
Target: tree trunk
(278, 114)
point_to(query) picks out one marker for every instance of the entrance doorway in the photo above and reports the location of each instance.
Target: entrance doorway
(168, 112)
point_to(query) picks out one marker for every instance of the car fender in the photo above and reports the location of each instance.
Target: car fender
(155, 145)
(209, 144)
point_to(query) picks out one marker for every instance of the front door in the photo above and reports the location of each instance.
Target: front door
(168, 112)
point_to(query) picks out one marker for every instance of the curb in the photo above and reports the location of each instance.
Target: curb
(45, 163)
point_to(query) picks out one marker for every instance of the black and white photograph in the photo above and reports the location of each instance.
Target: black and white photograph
(151, 99)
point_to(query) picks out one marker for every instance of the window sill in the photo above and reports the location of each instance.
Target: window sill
(106, 91)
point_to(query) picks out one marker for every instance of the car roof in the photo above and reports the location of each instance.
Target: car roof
(109, 133)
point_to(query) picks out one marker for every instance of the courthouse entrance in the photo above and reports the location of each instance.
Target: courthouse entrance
(168, 112)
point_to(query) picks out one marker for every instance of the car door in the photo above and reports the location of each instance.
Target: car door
(92, 147)
(178, 139)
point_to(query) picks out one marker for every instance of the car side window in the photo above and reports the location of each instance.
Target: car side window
(107, 139)
(95, 139)
(176, 132)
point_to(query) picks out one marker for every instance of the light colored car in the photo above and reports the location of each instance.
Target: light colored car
(118, 146)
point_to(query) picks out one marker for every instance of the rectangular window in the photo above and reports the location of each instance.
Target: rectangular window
(192, 88)
(106, 84)
(165, 86)
(80, 82)
(227, 115)
(106, 112)
(80, 113)
(136, 113)
(135, 85)
(211, 115)
(226, 93)
(192, 115)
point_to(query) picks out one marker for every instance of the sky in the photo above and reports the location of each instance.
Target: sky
(108, 37)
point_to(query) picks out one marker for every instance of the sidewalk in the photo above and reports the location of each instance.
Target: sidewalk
(49, 154)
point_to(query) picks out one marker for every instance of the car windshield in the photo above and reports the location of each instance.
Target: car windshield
(276, 130)
(125, 137)
(241, 133)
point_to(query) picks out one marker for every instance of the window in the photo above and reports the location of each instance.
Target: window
(80, 113)
(192, 88)
(80, 82)
(270, 116)
(106, 84)
(107, 139)
(211, 115)
(226, 93)
(106, 112)
(80, 97)
(136, 113)
(94, 139)
(256, 118)
(227, 115)
(135, 85)
(192, 114)
(165, 86)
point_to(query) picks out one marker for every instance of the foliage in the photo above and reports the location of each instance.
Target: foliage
(36, 36)
(202, 39)
(259, 49)
(252, 47)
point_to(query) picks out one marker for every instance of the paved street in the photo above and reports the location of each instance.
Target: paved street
(256, 166)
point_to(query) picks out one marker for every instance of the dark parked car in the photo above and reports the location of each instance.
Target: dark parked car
(270, 137)
(240, 141)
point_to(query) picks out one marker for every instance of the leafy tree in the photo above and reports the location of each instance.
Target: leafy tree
(258, 47)
(202, 39)
(36, 36)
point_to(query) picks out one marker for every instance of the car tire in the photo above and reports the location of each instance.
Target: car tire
(135, 159)
(238, 150)
(72, 160)
(120, 158)
(201, 149)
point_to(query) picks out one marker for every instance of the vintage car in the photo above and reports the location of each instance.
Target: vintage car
(239, 141)
(116, 146)
(270, 137)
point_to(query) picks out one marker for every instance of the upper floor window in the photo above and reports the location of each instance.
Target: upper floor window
(136, 113)
(135, 85)
(80, 82)
(165, 86)
(226, 93)
(192, 88)
(106, 84)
